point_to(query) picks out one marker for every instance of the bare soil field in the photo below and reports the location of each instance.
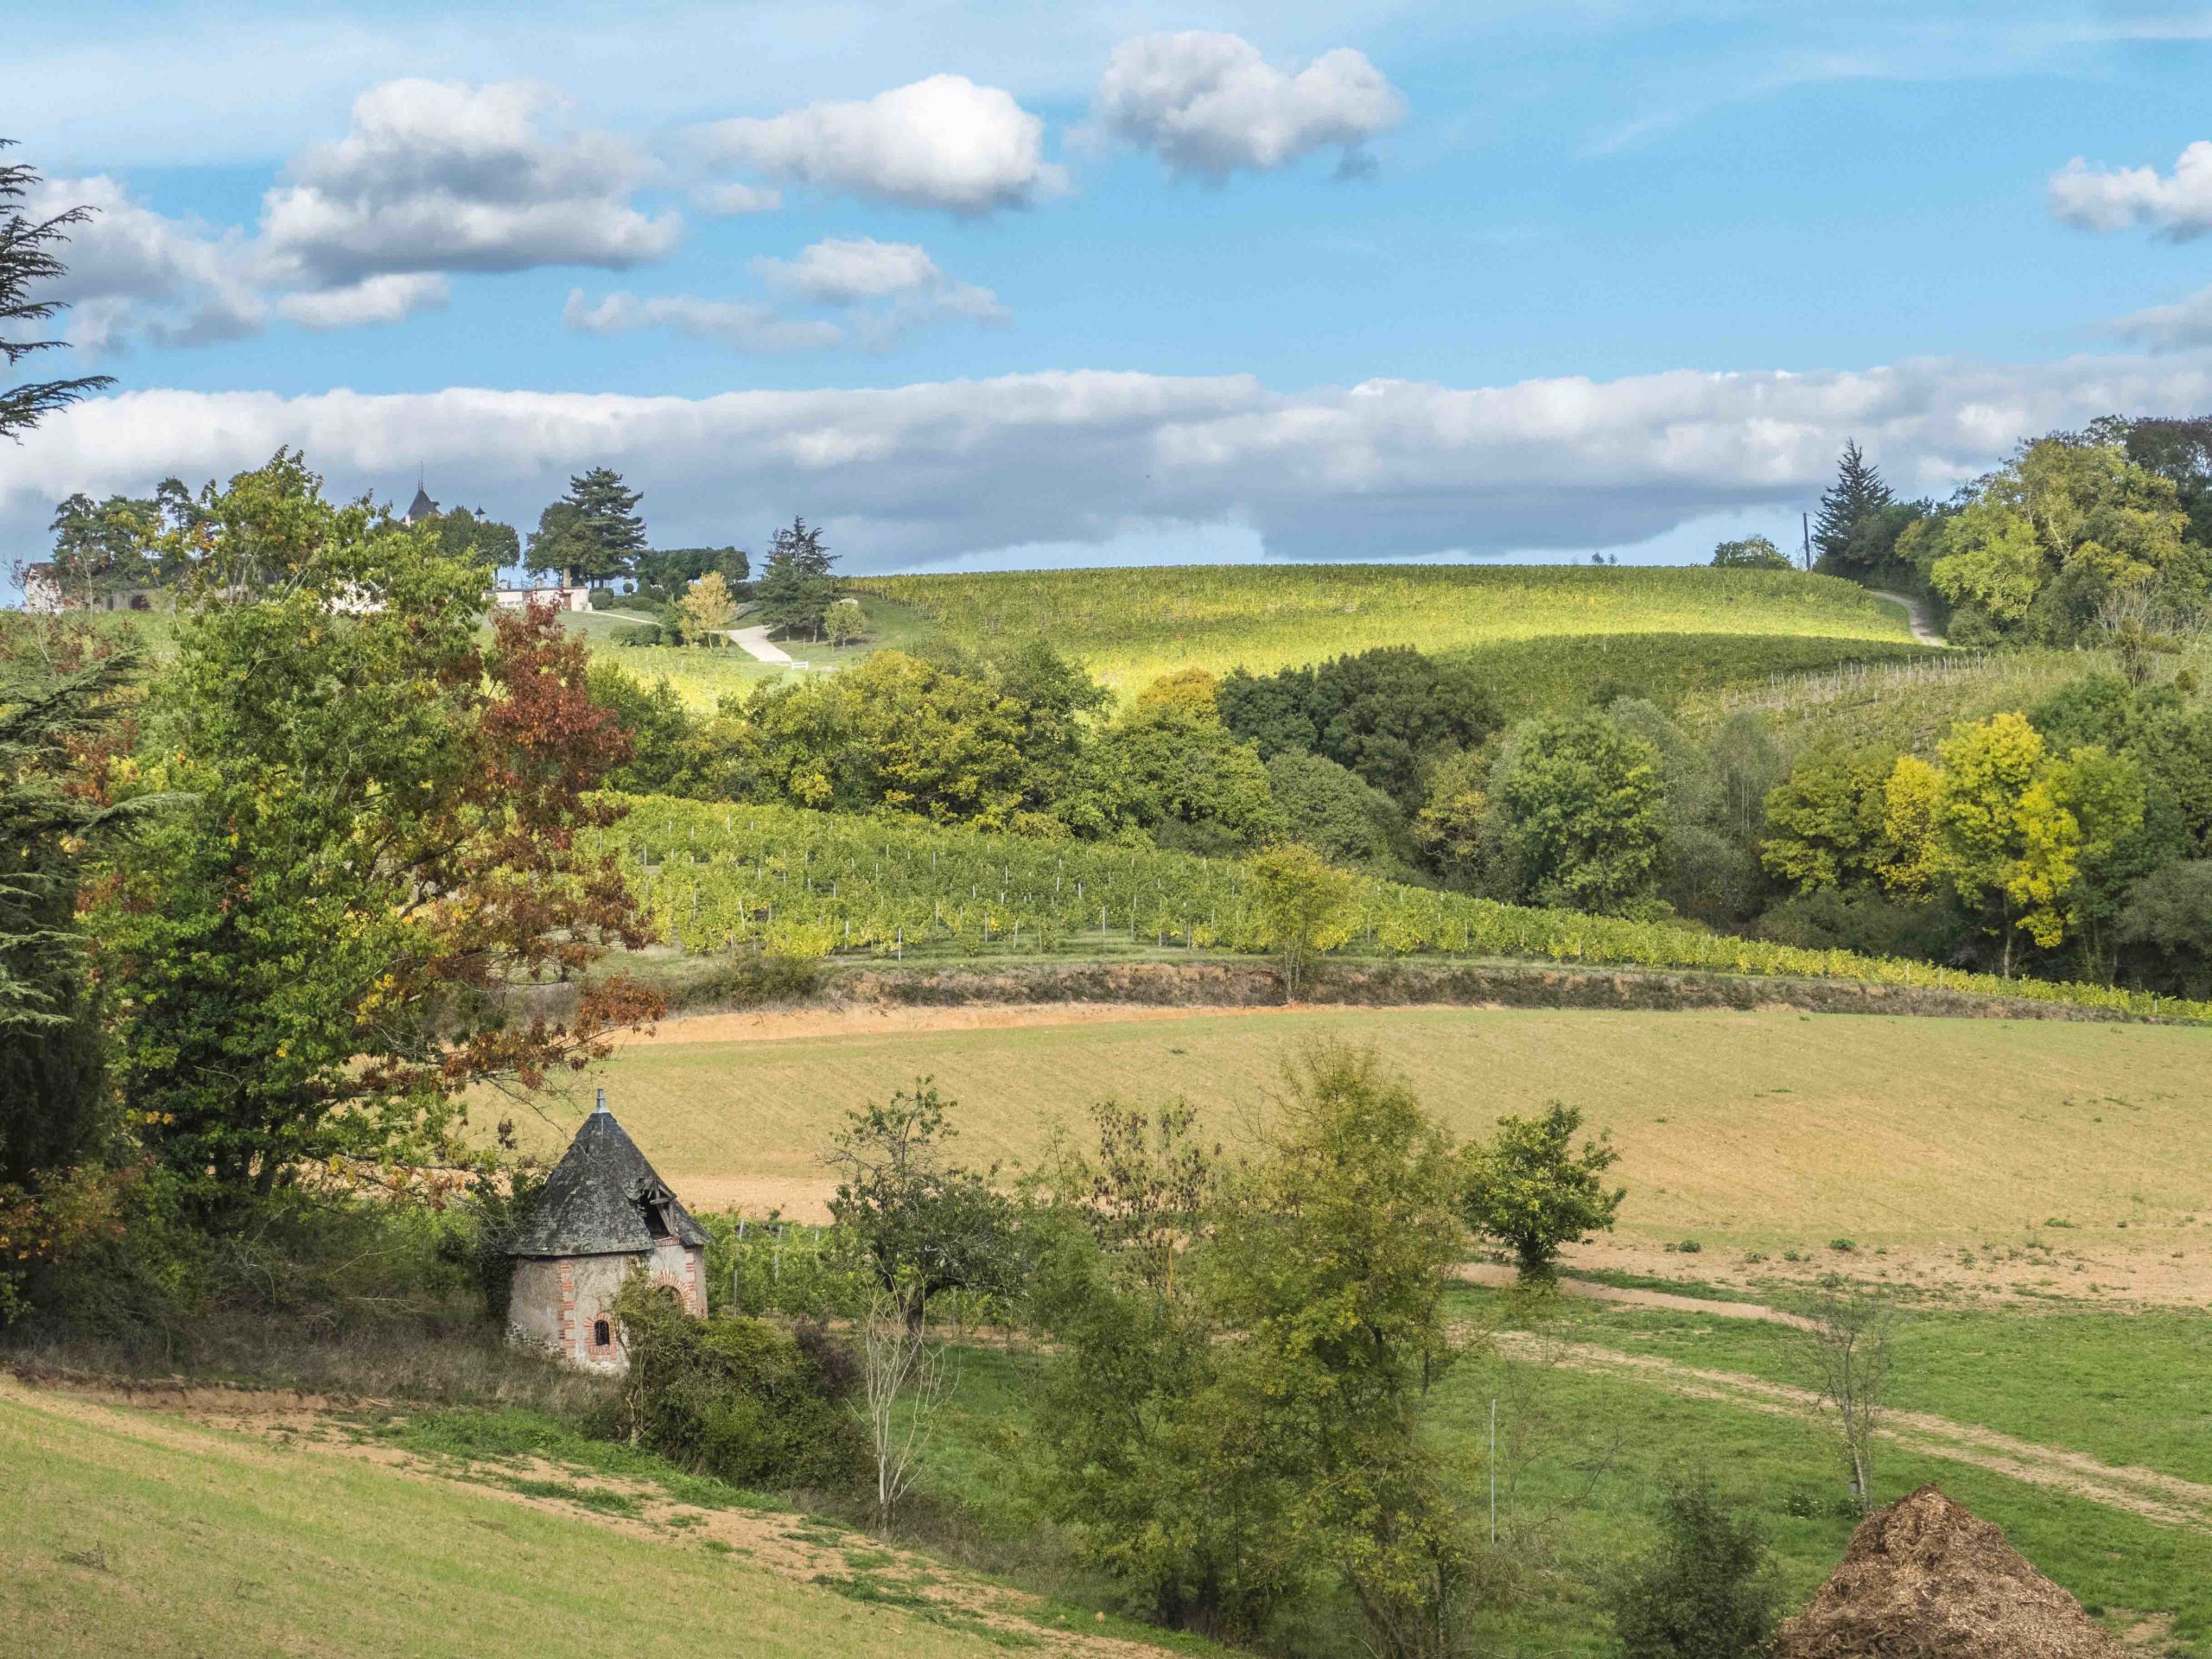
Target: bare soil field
(2024, 1158)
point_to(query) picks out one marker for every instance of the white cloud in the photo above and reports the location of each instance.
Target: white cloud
(1210, 103)
(929, 472)
(905, 284)
(2112, 199)
(444, 176)
(391, 297)
(135, 274)
(944, 143)
(744, 325)
(2170, 327)
(730, 200)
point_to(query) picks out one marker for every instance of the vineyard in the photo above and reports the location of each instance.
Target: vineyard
(1130, 627)
(808, 884)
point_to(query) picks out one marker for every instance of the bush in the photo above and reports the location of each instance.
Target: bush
(1708, 1592)
(739, 1399)
(643, 633)
(604, 599)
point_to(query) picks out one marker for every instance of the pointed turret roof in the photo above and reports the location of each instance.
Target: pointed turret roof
(422, 507)
(603, 1198)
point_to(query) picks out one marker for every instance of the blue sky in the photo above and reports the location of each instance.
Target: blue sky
(1144, 281)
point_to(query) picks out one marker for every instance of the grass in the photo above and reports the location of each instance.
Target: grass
(1757, 1131)
(122, 1533)
(702, 676)
(1132, 625)
(2125, 1387)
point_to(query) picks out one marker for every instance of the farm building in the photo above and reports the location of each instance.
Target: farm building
(604, 1213)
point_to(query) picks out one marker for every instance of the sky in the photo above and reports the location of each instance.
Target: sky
(994, 284)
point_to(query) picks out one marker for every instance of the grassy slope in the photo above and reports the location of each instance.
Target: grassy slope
(213, 1544)
(1761, 1130)
(702, 676)
(1131, 626)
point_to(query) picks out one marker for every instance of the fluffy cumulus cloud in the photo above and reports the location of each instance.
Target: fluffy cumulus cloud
(1210, 103)
(918, 473)
(135, 274)
(2114, 198)
(944, 143)
(437, 176)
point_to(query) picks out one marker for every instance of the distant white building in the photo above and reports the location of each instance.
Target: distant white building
(556, 598)
(43, 595)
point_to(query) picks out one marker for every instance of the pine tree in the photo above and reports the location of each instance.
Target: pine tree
(796, 587)
(27, 260)
(1857, 493)
(594, 532)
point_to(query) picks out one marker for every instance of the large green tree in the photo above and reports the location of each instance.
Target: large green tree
(1585, 804)
(592, 534)
(2061, 531)
(381, 835)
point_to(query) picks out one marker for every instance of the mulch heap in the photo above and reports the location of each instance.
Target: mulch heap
(1925, 1580)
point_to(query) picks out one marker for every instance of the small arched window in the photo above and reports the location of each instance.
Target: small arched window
(602, 1334)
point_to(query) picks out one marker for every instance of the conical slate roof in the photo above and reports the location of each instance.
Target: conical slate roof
(603, 1198)
(422, 507)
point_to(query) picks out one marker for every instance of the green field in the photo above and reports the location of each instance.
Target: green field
(1130, 627)
(1757, 1131)
(123, 1533)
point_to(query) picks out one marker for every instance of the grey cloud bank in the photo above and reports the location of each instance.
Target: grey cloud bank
(917, 474)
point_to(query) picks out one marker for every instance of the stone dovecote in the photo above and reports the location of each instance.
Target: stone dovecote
(605, 1212)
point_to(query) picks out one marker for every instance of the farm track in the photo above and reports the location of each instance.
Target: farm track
(1917, 617)
(797, 1547)
(2167, 1499)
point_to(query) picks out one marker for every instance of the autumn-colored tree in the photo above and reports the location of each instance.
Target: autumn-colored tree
(381, 835)
(708, 607)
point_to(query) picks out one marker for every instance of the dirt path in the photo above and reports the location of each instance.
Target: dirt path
(1495, 1274)
(800, 1547)
(1917, 616)
(754, 643)
(2167, 1499)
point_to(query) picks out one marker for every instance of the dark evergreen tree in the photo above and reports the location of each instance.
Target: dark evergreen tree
(592, 534)
(1857, 493)
(28, 258)
(796, 587)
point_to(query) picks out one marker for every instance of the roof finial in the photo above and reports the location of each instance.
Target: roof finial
(602, 1102)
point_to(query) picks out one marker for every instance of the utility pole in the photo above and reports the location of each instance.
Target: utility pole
(1805, 522)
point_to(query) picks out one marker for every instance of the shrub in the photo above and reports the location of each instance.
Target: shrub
(1708, 1591)
(643, 633)
(736, 1398)
(604, 599)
